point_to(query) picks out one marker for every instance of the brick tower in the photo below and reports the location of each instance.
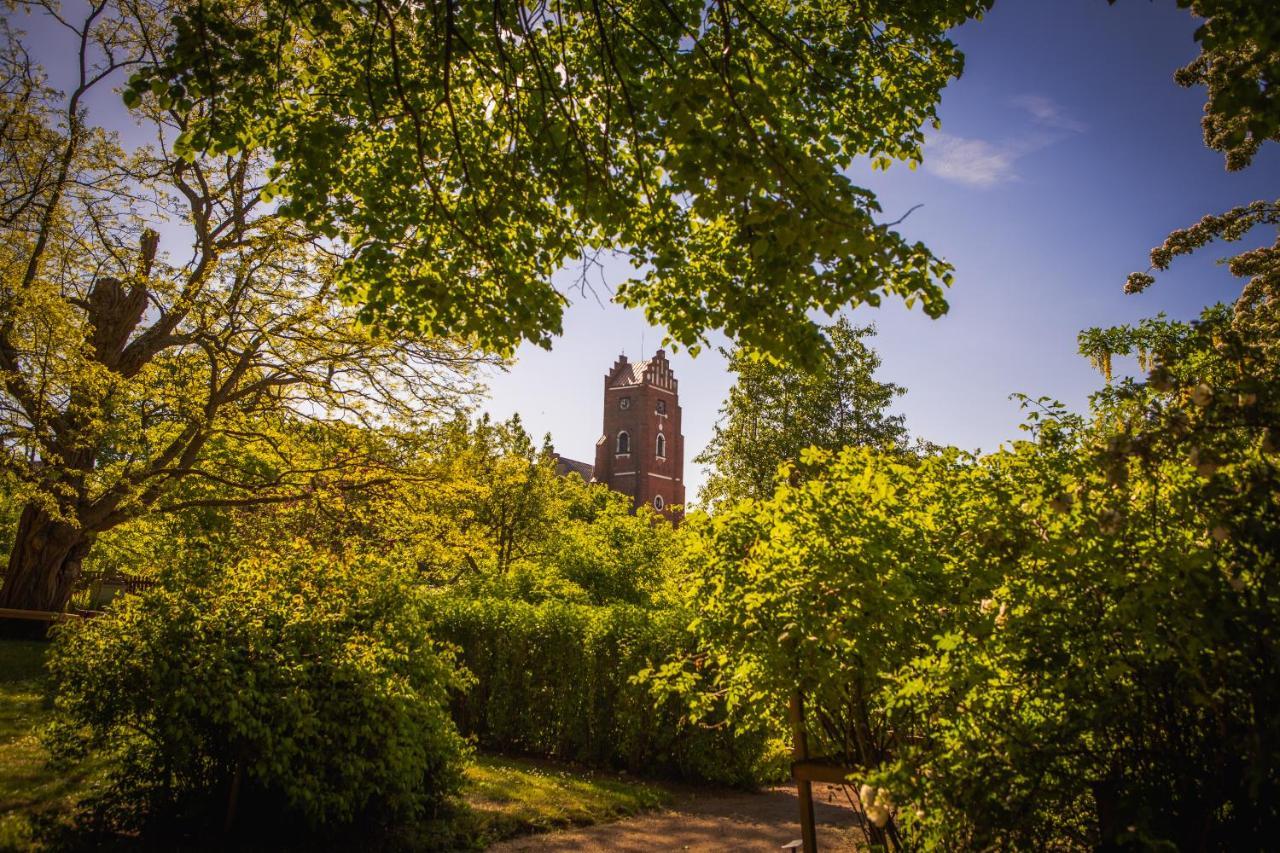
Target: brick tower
(641, 453)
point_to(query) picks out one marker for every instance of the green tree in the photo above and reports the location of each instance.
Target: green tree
(503, 496)
(123, 372)
(473, 506)
(483, 146)
(510, 526)
(387, 493)
(610, 552)
(776, 411)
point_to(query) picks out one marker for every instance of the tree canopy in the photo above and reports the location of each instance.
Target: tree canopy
(774, 412)
(468, 151)
(126, 369)
(1239, 66)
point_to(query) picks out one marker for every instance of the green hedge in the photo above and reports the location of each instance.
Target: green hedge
(555, 680)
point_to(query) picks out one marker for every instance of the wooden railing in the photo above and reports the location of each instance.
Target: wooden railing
(17, 623)
(36, 615)
(806, 769)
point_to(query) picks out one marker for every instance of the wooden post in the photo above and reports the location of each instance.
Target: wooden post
(804, 787)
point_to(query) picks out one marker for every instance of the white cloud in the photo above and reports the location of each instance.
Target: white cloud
(1047, 113)
(973, 162)
(982, 164)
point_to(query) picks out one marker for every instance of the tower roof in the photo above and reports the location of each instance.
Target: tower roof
(566, 466)
(630, 374)
(654, 369)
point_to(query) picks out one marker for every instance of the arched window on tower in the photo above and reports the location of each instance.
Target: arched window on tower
(662, 446)
(624, 442)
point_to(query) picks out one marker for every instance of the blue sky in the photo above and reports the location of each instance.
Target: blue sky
(1066, 153)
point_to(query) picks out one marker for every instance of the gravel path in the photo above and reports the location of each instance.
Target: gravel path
(710, 821)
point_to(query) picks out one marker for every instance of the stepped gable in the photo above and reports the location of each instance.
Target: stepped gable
(656, 370)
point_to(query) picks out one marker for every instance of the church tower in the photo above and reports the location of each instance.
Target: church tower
(641, 453)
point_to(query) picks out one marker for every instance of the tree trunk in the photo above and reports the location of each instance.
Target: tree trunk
(44, 563)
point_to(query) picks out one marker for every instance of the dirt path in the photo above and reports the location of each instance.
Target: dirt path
(710, 821)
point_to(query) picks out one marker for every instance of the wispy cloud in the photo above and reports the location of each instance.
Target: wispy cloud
(973, 162)
(979, 163)
(1048, 113)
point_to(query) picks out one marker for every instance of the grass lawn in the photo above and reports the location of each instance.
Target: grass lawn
(503, 796)
(514, 797)
(29, 791)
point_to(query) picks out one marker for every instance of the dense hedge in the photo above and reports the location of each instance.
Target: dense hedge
(556, 680)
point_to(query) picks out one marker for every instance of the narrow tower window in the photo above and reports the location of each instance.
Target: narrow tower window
(624, 442)
(662, 446)
(662, 407)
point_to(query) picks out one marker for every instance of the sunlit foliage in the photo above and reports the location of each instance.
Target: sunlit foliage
(468, 151)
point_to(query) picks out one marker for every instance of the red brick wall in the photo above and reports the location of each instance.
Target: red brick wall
(640, 472)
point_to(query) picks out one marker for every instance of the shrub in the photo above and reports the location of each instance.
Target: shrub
(1069, 643)
(299, 686)
(559, 680)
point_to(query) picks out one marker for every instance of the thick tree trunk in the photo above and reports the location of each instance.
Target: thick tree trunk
(44, 563)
